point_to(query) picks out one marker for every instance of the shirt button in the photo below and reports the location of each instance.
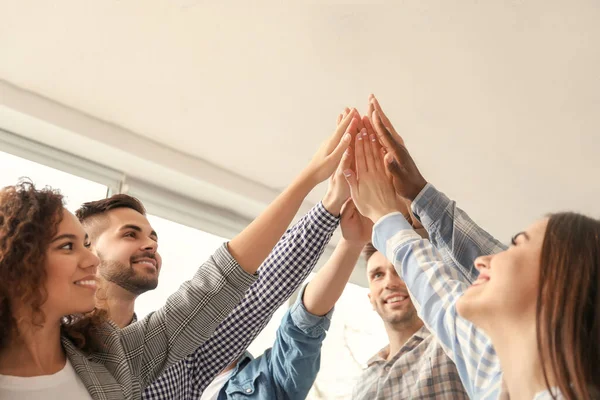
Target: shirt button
(248, 390)
(387, 368)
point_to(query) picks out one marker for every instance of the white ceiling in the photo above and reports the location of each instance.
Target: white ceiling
(498, 101)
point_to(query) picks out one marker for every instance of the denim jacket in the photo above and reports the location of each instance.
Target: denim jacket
(289, 368)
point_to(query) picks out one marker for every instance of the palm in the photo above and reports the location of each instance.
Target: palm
(355, 227)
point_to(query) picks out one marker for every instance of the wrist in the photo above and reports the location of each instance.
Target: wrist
(354, 246)
(332, 204)
(417, 189)
(376, 215)
(305, 181)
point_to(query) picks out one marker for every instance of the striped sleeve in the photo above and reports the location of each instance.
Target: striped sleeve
(434, 288)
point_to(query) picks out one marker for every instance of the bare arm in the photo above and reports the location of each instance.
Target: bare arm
(253, 244)
(325, 289)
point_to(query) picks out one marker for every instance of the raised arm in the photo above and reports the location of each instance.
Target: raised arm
(454, 234)
(286, 267)
(434, 288)
(458, 239)
(191, 314)
(296, 354)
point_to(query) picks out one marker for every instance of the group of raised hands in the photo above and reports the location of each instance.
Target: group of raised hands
(375, 173)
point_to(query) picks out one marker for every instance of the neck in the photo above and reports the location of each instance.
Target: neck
(517, 351)
(399, 334)
(119, 302)
(34, 350)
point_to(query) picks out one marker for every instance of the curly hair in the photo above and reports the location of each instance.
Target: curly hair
(29, 219)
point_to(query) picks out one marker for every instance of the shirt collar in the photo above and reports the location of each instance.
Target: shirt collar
(382, 355)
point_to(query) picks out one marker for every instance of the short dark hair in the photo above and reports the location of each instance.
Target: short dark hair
(368, 251)
(90, 213)
(92, 208)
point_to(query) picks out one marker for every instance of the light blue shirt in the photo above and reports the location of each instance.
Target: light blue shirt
(437, 276)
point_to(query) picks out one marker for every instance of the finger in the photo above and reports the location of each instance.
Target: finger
(369, 156)
(368, 126)
(371, 106)
(345, 112)
(385, 119)
(351, 179)
(359, 151)
(383, 154)
(376, 152)
(357, 115)
(346, 162)
(348, 208)
(393, 166)
(336, 155)
(341, 129)
(377, 107)
(339, 119)
(384, 135)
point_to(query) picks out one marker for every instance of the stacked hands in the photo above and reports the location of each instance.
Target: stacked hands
(375, 173)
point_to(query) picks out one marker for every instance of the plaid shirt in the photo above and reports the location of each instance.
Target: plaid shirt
(133, 357)
(437, 277)
(281, 274)
(420, 370)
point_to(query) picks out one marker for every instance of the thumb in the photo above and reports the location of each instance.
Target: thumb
(338, 152)
(351, 179)
(393, 166)
(346, 162)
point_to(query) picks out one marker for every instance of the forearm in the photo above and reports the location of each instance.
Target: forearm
(255, 242)
(189, 316)
(288, 265)
(327, 286)
(434, 289)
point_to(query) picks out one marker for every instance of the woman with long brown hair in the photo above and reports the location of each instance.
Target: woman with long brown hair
(522, 323)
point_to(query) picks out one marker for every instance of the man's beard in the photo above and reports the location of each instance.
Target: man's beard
(405, 318)
(126, 277)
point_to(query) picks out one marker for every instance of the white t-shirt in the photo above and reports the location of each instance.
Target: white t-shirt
(63, 385)
(212, 391)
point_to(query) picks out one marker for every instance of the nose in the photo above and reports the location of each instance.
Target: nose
(150, 245)
(392, 281)
(91, 261)
(483, 262)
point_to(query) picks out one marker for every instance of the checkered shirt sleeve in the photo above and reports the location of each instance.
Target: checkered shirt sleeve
(434, 288)
(131, 358)
(452, 232)
(288, 265)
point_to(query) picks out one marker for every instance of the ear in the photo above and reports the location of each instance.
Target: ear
(371, 301)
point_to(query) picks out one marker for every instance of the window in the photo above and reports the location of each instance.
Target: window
(75, 189)
(355, 335)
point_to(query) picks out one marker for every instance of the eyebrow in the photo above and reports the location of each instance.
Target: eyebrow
(68, 236)
(374, 270)
(138, 229)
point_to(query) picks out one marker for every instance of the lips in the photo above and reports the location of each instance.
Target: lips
(150, 262)
(397, 298)
(482, 279)
(87, 282)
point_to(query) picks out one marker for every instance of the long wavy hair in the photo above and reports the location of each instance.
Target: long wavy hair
(29, 219)
(568, 308)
